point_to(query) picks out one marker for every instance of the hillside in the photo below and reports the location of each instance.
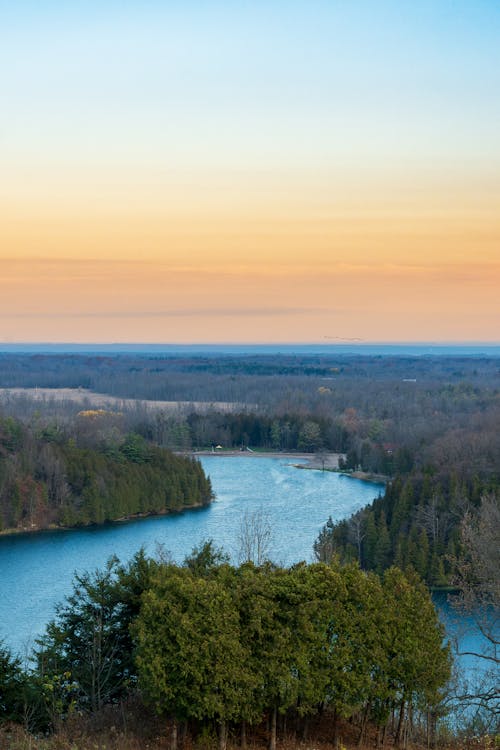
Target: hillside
(49, 479)
(416, 524)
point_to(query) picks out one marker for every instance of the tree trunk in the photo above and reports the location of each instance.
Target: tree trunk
(183, 733)
(243, 741)
(384, 735)
(335, 729)
(305, 728)
(408, 728)
(399, 732)
(222, 734)
(173, 736)
(272, 735)
(363, 724)
(124, 716)
(433, 729)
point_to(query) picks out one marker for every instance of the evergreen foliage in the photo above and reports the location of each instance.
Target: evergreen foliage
(415, 524)
(50, 479)
(87, 649)
(12, 686)
(209, 643)
(233, 644)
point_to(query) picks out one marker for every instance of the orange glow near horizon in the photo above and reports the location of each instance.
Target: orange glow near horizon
(279, 262)
(154, 301)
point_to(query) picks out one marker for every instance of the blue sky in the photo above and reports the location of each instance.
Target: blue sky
(275, 83)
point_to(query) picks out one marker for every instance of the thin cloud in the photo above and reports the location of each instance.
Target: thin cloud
(177, 313)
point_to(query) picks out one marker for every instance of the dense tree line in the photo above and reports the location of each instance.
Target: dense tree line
(217, 377)
(50, 478)
(416, 523)
(239, 430)
(389, 414)
(212, 645)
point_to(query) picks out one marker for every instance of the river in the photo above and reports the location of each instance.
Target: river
(37, 569)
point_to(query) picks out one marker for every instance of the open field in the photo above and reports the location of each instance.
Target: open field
(104, 401)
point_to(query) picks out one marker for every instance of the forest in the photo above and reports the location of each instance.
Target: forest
(51, 478)
(416, 523)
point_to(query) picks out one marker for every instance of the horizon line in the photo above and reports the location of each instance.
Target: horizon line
(328, 343)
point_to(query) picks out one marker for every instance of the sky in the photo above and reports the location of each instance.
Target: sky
(265, 171)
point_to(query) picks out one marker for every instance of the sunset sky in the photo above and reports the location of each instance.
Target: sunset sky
(259, 171)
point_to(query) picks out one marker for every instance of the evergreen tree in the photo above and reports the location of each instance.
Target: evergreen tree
(88, 640)
(422, 554)
(418, 663)
(13, 682)
(370, 541)
(191, 659)
(382, 544)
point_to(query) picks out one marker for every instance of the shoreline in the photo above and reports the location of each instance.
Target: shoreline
(328, 461)
(314, 462)
(109, 522)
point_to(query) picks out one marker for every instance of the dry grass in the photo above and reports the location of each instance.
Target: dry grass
(131, 727)
(102, 400)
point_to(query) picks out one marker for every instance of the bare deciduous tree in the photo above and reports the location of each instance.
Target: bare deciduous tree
(254, 537)
(356, 531)
(434, 519)
(479, 598)
(478, 578)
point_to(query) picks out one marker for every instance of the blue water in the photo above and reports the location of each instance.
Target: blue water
(37, 570)
(472, 674)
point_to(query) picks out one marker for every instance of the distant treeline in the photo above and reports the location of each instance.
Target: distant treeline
(210, 646)
(289, 432)
(48, 478)
(236, 378)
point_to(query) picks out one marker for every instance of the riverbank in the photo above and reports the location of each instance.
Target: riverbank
(367, 476)
(325, 461)
(312, 461)
(27, 530)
